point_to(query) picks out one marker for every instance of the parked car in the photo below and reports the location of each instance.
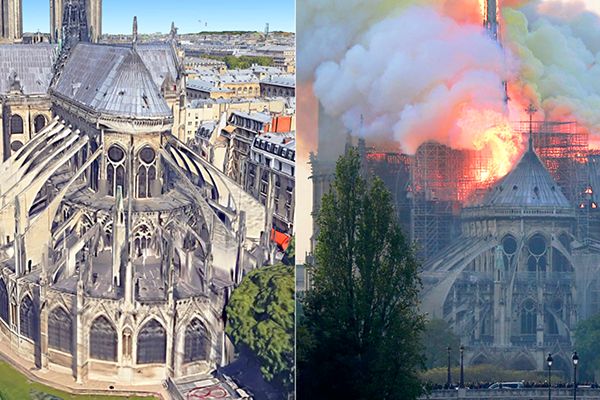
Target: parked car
(507, 385)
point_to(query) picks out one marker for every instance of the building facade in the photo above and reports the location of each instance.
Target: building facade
(120, 246)
(270, 171)
(516, 281)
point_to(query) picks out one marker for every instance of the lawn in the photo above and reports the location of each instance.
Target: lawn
(15, 386)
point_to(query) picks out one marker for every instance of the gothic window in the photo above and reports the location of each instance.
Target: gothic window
(60, 330)
(142, 238)
(16, 124)
(537, 245)
(509, 244)
(103, 340)
(3, 301)
(146, 172)
(197, 341)
(39, 123)
(551, 326)
(115, 170)
(95, 166)
(528, 318)
(16, 145)
(152, 343)
(27, 318)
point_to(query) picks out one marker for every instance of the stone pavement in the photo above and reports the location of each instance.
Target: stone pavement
(65, 382)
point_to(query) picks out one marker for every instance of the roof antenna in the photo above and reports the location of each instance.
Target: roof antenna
(531, 110)
(135, 32)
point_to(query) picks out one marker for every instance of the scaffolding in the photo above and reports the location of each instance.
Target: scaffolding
(564, 150)
(431, 188)
(442, 181)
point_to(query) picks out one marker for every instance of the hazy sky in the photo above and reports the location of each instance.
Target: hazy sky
(156, 15)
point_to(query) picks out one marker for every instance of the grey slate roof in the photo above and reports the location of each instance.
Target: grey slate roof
(529, 184)
(30, 64)
(112, 80)
(159, 58)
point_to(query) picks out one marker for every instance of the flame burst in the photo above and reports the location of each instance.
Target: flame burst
(496, 142)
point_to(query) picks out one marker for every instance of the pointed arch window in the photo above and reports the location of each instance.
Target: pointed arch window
(39, 123)
(4, 302)
(197, 341)
(115, 170)
(146, 173)
(152, 343)
(60, 330)
(528, 318)
(27, 318)
(103, 340)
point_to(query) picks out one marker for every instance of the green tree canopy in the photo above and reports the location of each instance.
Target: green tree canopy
(261, 317)
(359, 337)
(243, 62)
(436, 338)
(587, 343)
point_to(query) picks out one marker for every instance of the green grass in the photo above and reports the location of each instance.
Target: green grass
(15, 386)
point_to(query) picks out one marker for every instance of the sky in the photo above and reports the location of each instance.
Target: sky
(189, 15)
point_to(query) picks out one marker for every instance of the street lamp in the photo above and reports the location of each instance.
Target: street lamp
(549, 361)
(449, 376)
(462, 370)
(575, 359)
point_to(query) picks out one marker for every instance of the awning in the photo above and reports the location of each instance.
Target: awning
(281, 239)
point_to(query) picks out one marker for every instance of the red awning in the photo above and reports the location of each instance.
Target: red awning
(282, 239)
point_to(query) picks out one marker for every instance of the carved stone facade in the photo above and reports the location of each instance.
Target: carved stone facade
(119, 246)
(93, 12)
(516, 282)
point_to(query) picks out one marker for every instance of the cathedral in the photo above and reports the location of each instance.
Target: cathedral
(517, 280)
(119, 246)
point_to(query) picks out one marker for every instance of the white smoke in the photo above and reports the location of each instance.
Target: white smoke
(413, 76)
(559, 50)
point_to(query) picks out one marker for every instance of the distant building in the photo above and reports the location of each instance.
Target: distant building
(198, 89)
(274, 86)
(270, 173)
(206, 110)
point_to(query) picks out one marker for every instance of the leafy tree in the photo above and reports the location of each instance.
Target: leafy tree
(261, 317)
(243, 62)
(359, 337)
(289, 257)
(587, 343)
(436, 338)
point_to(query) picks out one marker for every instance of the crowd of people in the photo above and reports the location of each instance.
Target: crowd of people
(526, 384)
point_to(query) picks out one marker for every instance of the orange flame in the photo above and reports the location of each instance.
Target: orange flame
(492, 136)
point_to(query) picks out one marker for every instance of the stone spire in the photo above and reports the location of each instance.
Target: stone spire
(135, 32)
(173, 32)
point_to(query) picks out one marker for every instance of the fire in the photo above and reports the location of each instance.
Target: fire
(497, 144)
(482, 6)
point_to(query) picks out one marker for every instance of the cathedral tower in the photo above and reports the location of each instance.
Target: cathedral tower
(93, 12)
(12, 19)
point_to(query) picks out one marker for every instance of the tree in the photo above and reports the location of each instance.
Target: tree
(359, 335)
(587, 343)
(261, 317)
(436, 338)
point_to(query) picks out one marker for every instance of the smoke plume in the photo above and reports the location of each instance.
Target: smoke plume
(419, 70)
